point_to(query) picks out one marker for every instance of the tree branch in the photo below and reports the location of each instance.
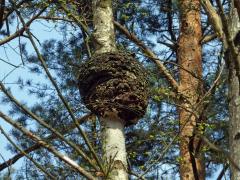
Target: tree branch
(208, 38)
(237, 6)
(41, 168)
(67, 106)
(214, 18)
(219, 149)
(44, 124)
(15, 158)
(150, 54)
(43, 143)
(2, 7)
(21, 31)
(225, 167)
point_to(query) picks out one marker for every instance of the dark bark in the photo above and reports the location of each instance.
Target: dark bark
(232, 58)
(2, 6)
(234, 116)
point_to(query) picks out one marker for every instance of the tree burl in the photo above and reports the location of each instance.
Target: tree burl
(114, 82)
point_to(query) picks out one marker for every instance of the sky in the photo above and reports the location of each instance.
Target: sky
(9, 75)
(10, 53)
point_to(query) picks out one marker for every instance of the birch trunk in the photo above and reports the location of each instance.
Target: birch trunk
(190, 61)
(114, 149)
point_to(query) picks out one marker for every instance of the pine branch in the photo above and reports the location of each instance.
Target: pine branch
(41, 168)
(150, 54)
(46, 145)
(35, 147)
(44, 65)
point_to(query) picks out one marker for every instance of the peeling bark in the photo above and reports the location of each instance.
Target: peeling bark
(189, 57)
(234, 115)
(230, 25)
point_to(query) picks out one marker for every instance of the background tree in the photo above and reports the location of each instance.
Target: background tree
(227, 27)
(189, 56)
(150, 29)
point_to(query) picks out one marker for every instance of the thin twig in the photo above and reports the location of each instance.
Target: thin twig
(152, 56)
(34, 147)
(9, 167)
(24, 28)
(8, 63)
(44, 65)
(44, 124)
(219, 149)
(75, 18)
(26, 155)
(43, 143)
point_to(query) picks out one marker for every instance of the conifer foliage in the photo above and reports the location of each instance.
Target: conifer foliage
(120, 89)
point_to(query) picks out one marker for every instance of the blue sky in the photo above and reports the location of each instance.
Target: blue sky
(9, 74)
(9, 52)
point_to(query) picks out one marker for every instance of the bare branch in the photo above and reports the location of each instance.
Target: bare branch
(44, 65)
(55, 18)
(21, 31)
(25, 154)
(214, 18)
(152, 56)
(9, 63)
(76, 19)
(11, 10)
(225, 167)
(44, 124)
(43, 143)
(208, 38)
(219, 149)
(15, 158)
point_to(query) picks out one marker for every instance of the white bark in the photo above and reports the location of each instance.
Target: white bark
(114, 149)
(104, 35)
(113, 139)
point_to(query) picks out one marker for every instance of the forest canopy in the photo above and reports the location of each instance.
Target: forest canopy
(120, 89)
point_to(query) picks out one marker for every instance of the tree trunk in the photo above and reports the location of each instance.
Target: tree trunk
(104, 35)
(113, 140)
(234, 115)
(232, 57)
(114, 147)
(230, 26)
(190, 61)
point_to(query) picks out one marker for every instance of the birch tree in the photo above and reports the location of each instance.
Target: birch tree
(112, 126)
(171, 53)
(114, 88)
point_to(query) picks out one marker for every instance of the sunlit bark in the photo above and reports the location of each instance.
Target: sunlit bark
(190, 61)
(114, 150)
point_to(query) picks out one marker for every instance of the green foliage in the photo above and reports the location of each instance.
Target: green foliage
(147, 142)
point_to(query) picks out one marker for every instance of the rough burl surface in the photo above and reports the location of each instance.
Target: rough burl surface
(114, 82)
